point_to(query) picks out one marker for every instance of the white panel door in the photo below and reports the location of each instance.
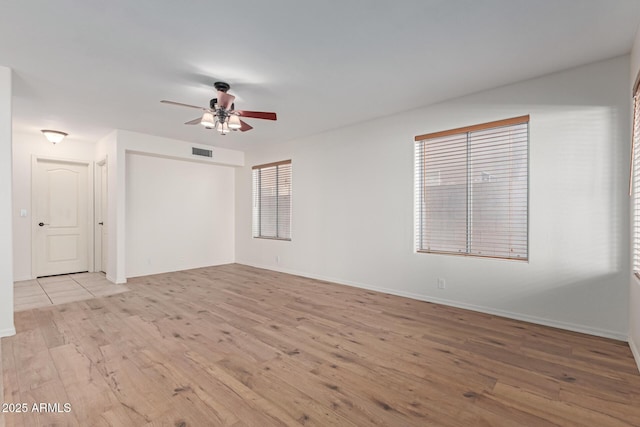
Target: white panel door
(61, 216)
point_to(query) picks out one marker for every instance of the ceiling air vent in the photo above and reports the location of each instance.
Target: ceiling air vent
(200, 152)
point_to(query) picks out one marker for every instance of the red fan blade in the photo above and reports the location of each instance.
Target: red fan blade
(257, 114)
(225, 100)
(245, 126)
(182, 105)
(194, 121)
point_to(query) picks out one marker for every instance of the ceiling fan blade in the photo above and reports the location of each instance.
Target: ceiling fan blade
(194, 121)
(164, 101)
(257, 114)
(225, 100)
(245, 126)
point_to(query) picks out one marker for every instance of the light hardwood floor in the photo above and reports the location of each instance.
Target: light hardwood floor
(239, 346)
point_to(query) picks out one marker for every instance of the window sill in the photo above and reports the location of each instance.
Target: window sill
(272, 238)
(472, 255)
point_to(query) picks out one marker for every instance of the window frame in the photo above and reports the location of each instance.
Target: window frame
(256, 230)
(634, 180)
(420, 177)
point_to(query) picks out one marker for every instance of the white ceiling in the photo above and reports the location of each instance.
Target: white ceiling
(88, 67)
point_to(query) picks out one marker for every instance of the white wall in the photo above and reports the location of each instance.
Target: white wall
(634, 290)
(25, 146)
(353, 205)
(6, 207)
(175, 152)
(179, 215)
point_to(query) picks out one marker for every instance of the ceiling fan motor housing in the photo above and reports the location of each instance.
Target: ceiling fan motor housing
(222, 86)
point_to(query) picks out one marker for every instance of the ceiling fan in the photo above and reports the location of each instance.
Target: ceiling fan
(222, 115)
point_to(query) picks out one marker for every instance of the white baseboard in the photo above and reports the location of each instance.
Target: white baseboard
(116, 281)
(635, 350)
(482, 309)
(22, 278)
(7, 332)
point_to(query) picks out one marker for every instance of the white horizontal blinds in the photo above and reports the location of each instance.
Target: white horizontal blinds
(268, 202)
(443, 204)
(272, 200)
(636, 183)
(498, 191)
(472, 190)
(284, 201)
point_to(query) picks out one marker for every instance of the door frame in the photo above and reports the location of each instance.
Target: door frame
(90, 206)
(99, 185)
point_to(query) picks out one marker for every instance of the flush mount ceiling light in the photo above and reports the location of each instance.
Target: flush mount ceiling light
(53, 136)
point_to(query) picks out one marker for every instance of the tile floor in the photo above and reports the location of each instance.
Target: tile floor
(55, 290)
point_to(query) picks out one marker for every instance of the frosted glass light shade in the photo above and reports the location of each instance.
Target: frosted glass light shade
(208, 120)
(222, 128)
(234, 122)
(53, 136)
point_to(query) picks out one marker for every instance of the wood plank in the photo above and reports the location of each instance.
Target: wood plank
(10, 385)
(84, 384)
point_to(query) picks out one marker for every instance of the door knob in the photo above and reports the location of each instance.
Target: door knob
(101, 223)
(42, 224)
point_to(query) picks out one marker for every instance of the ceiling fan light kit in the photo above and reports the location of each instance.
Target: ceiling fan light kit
(222, 115)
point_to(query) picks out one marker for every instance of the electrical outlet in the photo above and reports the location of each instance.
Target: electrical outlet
(277, 259)
(441, 283)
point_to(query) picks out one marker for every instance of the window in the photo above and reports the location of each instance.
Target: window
(636, 181)
(272, 200)
(472, 190)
